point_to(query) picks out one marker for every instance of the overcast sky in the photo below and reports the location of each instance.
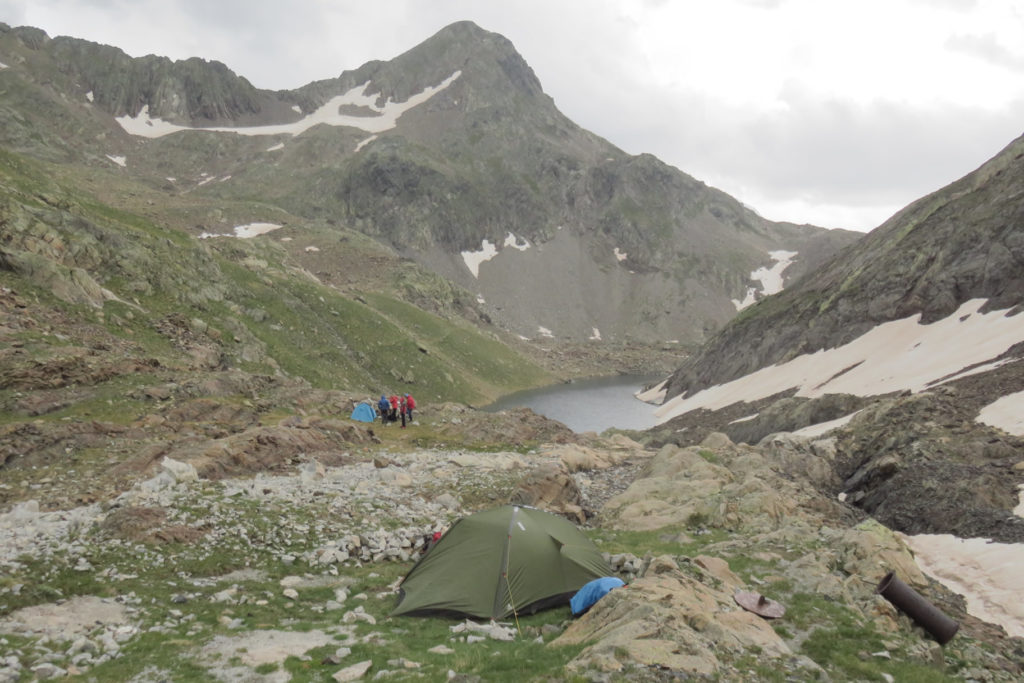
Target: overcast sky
(832, 112)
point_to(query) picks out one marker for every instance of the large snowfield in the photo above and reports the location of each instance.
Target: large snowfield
(894, 356)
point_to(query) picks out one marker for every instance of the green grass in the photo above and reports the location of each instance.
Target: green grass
(493, 366)
(709, 456)
(248, 289)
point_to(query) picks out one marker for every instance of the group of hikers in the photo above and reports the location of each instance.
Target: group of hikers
(395, 407)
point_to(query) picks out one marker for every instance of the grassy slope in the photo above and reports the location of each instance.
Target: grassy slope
(247, 292)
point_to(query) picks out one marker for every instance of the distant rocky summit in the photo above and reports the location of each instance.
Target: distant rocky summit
(450, 154)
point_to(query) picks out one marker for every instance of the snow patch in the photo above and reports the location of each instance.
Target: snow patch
(276, 147)
(254, 229)
(894, 356)
(473, 259)
(480, 299)
(3, 66)
(987, 574)
(1007, 414)
(227, 177)
(620, 255)
(297, 109)
(748, 418)
(312, 249)
(244, 231)
(171, 180)
(770, 278)
(595, 335)
(655, 394)
(120, 161)
(329, 114)
(89, 96)
(144, 126)
(749, 300)
(513, 241)
(545, 332)
(825, 427)
(363, 143)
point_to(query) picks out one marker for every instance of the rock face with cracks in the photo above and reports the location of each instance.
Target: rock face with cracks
(679, 615)
(670, 619)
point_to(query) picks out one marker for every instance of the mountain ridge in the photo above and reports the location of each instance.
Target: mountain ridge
(484, 157)
(960, 242)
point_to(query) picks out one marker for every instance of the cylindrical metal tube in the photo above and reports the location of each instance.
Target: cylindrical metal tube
(910, 602)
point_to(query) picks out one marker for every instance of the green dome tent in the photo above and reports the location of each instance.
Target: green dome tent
(510, 560)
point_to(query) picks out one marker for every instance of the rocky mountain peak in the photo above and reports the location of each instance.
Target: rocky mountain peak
(451, 154)
(491, 71)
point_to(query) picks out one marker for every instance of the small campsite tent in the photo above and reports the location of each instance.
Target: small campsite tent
(492, 564)
(364, 413)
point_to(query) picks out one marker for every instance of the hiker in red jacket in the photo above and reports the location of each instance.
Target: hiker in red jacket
(394, 407)
(410, 404)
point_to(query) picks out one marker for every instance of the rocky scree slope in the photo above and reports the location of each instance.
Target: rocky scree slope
(292, 573)
(625, 245)
(922, 462)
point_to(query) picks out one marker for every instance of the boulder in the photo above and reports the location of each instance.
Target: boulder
(550, 487)
(181, 471)
(671, 620)
(354, 672)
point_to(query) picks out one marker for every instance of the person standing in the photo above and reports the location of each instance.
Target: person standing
(394, 408)
(410, 405)
(401, 409)
(383, 405)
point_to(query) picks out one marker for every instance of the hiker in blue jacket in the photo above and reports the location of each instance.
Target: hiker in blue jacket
(384, 406)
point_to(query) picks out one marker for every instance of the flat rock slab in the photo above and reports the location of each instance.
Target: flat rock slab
(71, 618)
(263, 647)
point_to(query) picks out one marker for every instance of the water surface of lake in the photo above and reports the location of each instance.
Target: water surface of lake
(588, 405)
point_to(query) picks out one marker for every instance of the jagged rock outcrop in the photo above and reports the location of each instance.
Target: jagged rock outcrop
(680, 613)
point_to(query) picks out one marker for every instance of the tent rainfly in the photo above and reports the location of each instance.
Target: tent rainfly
(492, 564)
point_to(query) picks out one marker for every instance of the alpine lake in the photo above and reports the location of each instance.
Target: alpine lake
(588, 405)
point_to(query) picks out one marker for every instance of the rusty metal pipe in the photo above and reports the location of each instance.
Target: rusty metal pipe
(910, 602)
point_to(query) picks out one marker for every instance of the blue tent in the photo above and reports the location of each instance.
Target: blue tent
(364, 413)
